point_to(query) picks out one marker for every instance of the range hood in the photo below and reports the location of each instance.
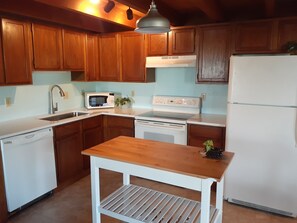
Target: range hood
(171, 61)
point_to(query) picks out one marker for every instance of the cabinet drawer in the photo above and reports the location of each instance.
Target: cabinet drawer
(115, 121)
(93, 122)
(67, 129)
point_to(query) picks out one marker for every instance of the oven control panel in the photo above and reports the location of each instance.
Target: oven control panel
(177, 101)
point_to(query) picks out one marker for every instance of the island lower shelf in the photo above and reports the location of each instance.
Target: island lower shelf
(135, 204)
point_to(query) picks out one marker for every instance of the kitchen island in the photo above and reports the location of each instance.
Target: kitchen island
(173, 164)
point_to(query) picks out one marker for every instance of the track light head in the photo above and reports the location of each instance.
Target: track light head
(129, 13)
(109, 6)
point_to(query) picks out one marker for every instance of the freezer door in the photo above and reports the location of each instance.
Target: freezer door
(263, 171)
(269, 80)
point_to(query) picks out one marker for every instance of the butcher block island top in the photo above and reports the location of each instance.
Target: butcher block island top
(181, 159)
(173, 164)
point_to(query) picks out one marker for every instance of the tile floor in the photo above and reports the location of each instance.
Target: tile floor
(73, 204)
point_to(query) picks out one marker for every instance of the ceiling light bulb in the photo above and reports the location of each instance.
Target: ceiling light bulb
(152, 22)
(129, 13)
(94, 1)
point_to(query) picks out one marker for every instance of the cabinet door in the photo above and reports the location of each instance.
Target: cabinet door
(132, 57)
(183, 41)
(74, 50)
(92, 58)
(92, 135)
(69, 158)
(68, 147)
(198, 134)
(287, 31)
(254, 37)
(157, 44)
(17, 51)
(214, 53)
(109, 58)
(47, 47)
(115, 126)
(2, 77)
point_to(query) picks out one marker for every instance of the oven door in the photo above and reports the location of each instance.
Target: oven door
(161, 131)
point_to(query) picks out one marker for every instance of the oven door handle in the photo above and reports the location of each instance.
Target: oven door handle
(160, 124)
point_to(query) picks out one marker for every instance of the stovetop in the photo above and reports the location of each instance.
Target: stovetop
(172, 109)
(166, 115)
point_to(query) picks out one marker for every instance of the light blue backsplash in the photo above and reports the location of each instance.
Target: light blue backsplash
(30, 100)
(173, 82)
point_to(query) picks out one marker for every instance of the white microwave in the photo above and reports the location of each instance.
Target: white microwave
(99, 100)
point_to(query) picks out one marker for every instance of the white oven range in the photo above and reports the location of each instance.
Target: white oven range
(167, 122)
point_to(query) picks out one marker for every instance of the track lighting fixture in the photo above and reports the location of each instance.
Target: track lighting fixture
(109, 6)
(129, 13)
(152, 22)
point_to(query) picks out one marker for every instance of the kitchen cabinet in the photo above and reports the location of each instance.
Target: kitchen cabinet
(255, 37)
(287, 31)
(92, 135)
(109, 53)
(198, 134)
(17, 52)
(132, 59)
(2, 77)
(74, 44)
(179, 41)
(47, 47)
(214, 53)
(92, 58)
(68, 147)
(115, 126)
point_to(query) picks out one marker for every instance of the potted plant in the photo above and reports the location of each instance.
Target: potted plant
(124, 102)
(211, 151)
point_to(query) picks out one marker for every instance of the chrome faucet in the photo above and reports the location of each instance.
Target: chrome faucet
(53, 108)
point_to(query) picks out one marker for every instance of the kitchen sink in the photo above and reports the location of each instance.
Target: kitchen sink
(64, 116)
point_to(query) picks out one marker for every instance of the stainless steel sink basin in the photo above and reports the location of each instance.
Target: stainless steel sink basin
(64, 116)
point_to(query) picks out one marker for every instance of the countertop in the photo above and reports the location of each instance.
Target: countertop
(29, 124)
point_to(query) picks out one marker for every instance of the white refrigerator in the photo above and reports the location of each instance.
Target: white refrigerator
(261, 131)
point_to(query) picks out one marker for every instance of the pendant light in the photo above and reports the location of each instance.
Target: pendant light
(152, 22)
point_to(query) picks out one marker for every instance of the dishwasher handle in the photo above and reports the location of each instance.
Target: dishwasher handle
(29, 137)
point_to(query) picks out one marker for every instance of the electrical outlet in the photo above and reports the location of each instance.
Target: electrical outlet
(203, 96)
(7, 102)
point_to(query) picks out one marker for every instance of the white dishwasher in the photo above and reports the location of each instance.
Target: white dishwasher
(29, 167)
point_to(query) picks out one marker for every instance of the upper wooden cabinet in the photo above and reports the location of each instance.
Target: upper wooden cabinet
(74, 44)
(287, 31)
(132, 46)
(17, 52)
(109, 54)
(254, 37)
(214, 53)
(179, 41)
(157, 44)
(92, 58)
(47, 47)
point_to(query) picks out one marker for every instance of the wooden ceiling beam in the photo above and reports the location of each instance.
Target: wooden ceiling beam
(269, 8)
(116, 15)
(210, 8)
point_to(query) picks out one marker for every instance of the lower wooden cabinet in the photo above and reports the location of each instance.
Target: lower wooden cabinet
(68, 146)
(197, 134)
(92, 135)
(115, 126)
